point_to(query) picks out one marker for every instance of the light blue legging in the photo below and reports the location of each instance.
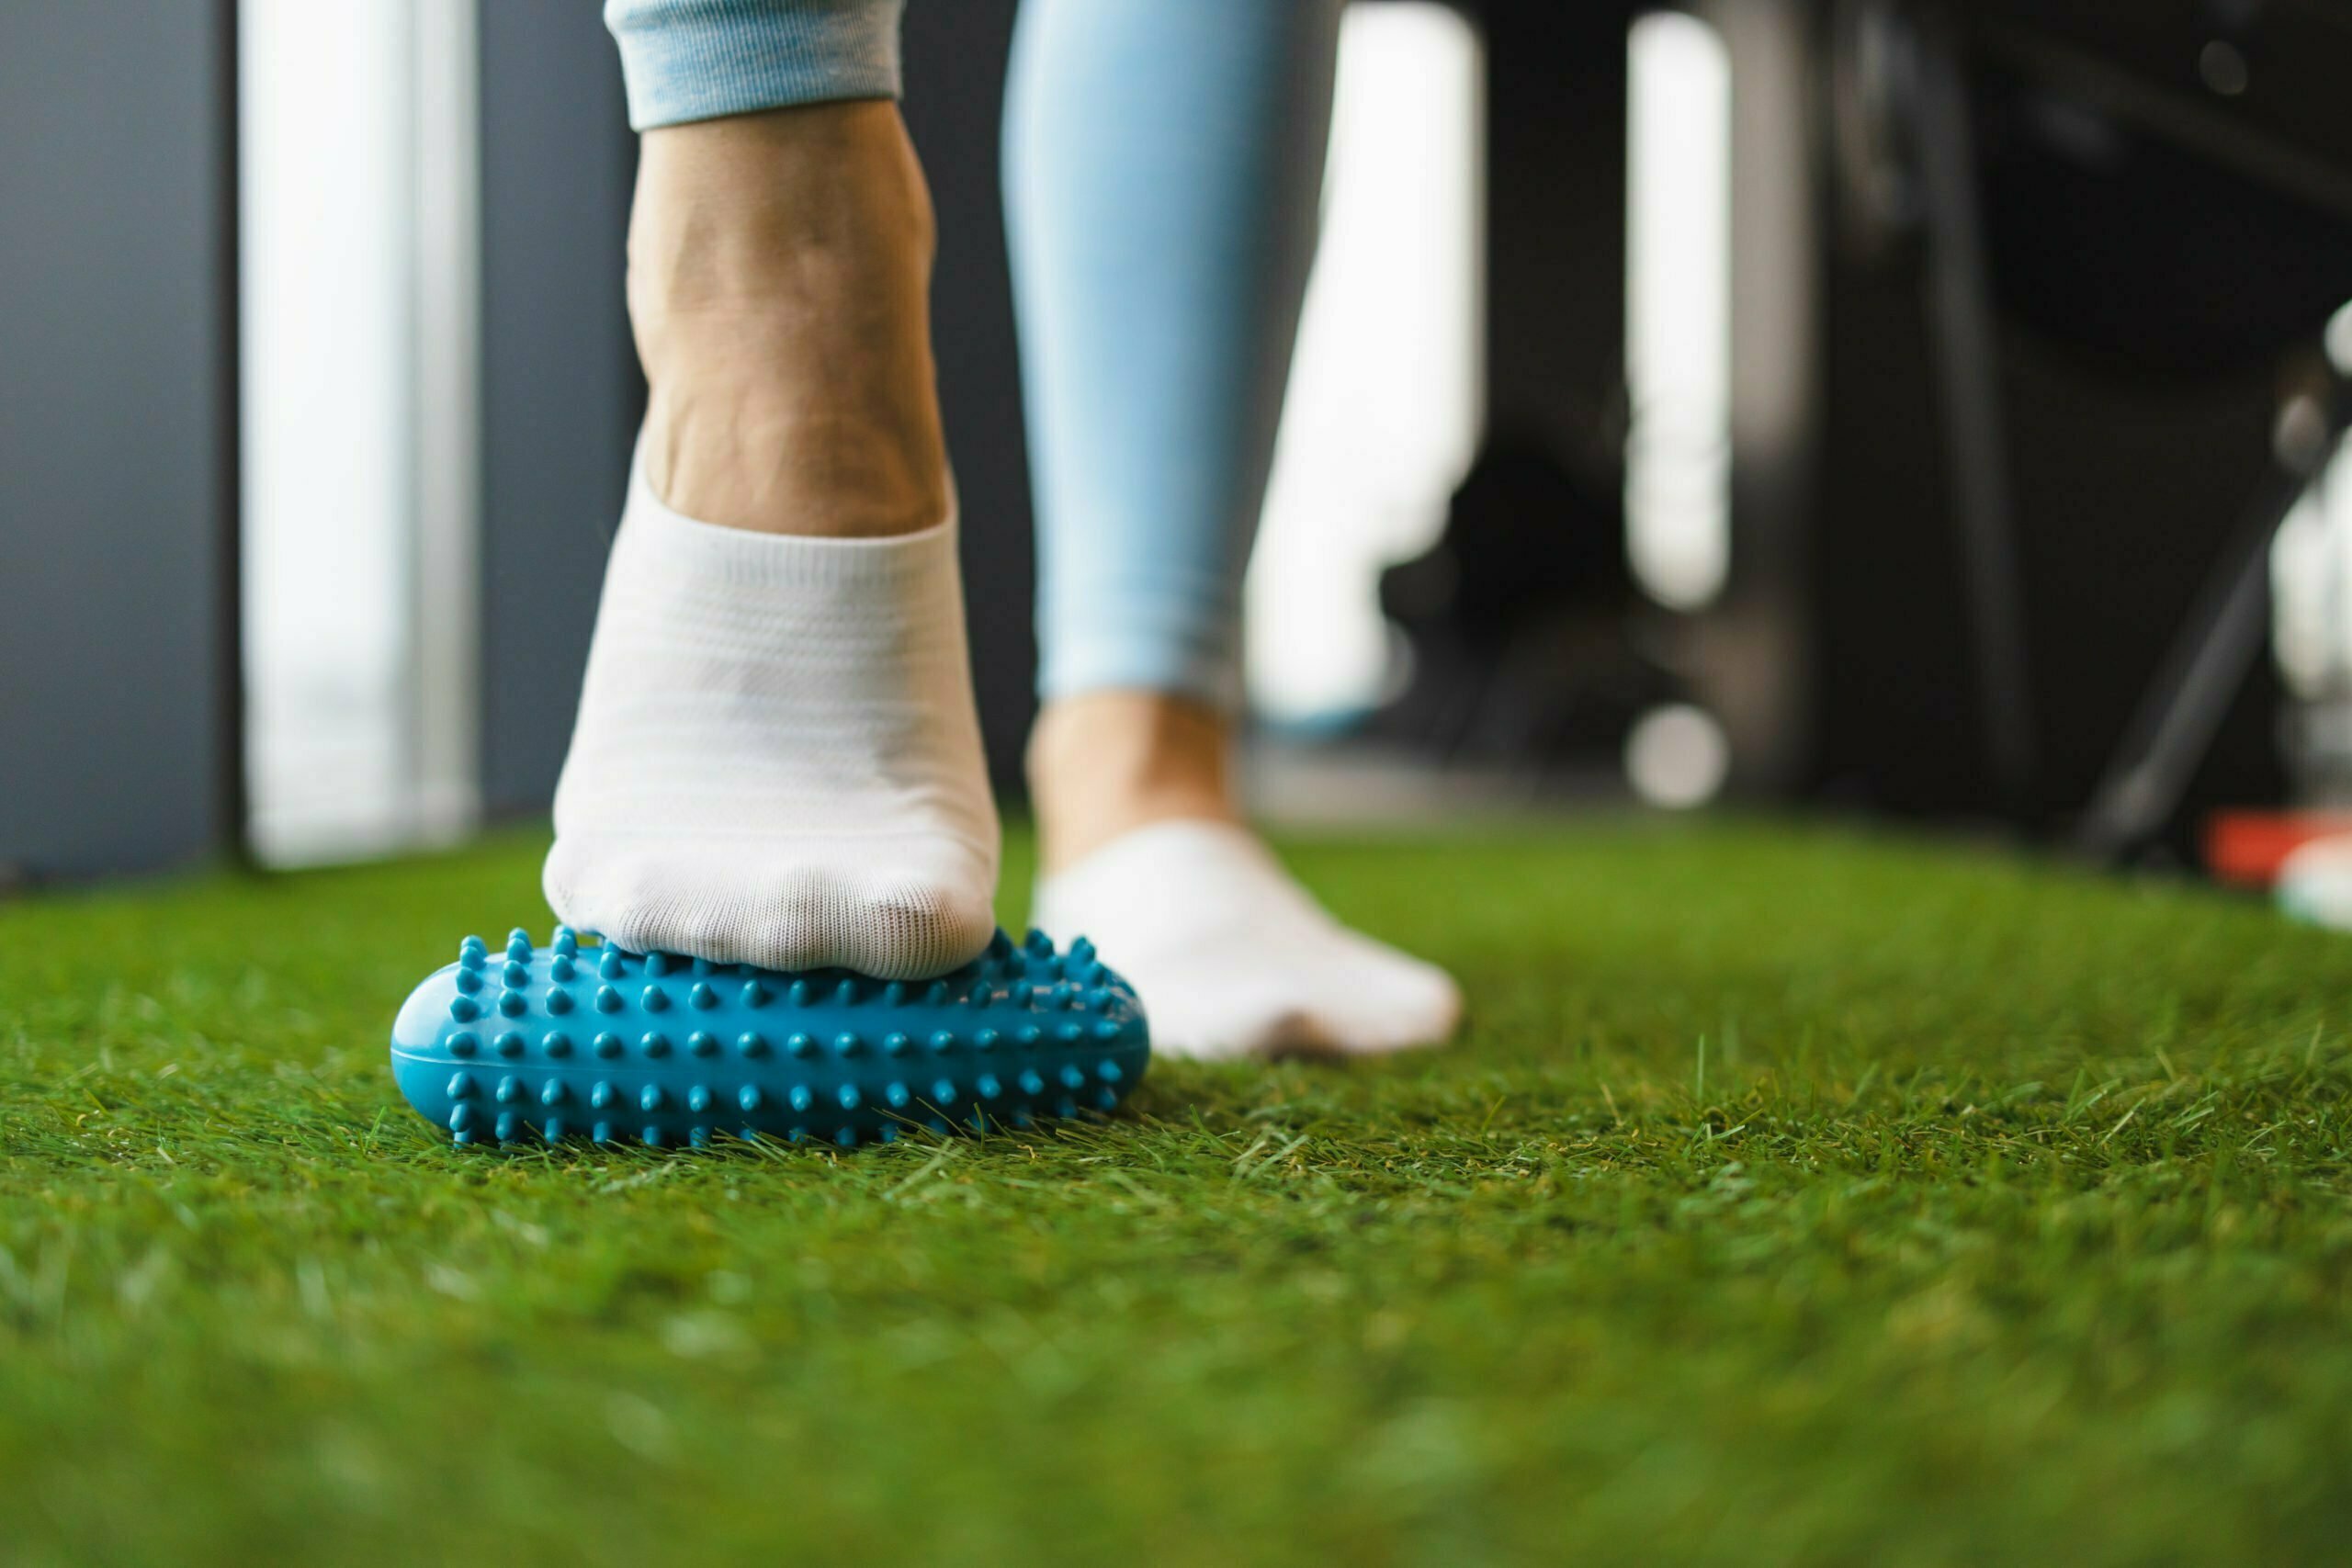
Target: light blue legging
(1163, 161)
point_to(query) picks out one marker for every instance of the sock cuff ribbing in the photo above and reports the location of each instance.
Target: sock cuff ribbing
(690, 60)
(657, 538)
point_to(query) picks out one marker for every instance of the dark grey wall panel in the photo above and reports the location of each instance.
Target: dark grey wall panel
(1557, 84)
(561, 396)
(956, 59)
(117, 457)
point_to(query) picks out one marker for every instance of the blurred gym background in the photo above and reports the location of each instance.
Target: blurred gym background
(1931, 410)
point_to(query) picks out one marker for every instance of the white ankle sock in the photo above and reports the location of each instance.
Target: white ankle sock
(1232, 958)
(777, 759)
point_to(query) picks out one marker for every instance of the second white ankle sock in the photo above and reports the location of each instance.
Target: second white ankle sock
(777, 759)
(1231, 956)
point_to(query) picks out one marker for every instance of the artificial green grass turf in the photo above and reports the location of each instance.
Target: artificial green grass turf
(1793, 1197)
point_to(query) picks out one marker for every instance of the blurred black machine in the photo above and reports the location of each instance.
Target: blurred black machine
(2028, 308)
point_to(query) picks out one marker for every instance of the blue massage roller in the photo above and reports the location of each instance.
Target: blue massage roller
(652, 1048)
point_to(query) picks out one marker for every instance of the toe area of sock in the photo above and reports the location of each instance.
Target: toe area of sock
(906, 915)
(1348, 1009)
(1403, 1005)
(901, 927)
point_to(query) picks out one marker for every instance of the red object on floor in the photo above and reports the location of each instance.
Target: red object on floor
(2248, 847)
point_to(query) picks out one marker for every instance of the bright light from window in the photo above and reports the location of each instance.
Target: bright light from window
(326, 413)
(356, 129)
(1677, 309)
(2338, 340)
(2311, 579)
(1382, 413)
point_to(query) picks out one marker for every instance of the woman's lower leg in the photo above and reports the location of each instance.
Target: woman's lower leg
(1163, 163)
(778, 281)
(777, 759)
(1163, 166)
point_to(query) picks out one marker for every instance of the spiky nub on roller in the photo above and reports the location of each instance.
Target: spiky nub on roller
(595, 1042)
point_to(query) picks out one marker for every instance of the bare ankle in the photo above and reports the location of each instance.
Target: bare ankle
(1103, 763)
(779, 266)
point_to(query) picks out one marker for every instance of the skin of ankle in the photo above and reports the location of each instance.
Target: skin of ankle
(779, 269)
(1103, 763)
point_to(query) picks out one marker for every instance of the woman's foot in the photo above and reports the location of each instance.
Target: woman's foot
(777, 759)
(1144, 852)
